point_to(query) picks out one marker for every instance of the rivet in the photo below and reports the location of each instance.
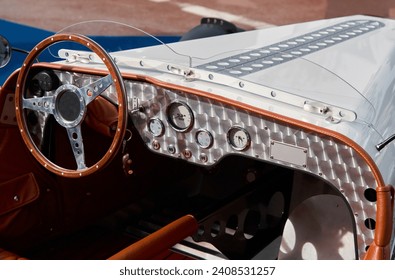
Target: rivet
(16, 198)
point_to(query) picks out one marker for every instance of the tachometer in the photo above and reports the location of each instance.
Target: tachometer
(180, 116)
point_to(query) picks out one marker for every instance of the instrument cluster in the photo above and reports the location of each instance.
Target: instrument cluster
(180, 118)
(187, 126)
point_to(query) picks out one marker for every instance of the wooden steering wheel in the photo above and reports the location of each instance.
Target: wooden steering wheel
(69, 106)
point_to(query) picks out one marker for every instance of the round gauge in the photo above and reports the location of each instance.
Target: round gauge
(180, 116)
(239, 138)
(204, 138)
(156, 127)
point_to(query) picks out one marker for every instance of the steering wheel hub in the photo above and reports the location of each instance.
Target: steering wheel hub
(70, 106)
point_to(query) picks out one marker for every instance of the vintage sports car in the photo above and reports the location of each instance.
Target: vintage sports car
(264, 144)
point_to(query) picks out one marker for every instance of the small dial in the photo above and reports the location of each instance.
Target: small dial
(156, 127)
(239, 138)
(180, 116)
(204, 138)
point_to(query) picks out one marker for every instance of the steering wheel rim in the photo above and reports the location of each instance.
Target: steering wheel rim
(73, 129)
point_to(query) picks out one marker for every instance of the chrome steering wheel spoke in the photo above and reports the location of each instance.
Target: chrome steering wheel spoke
(93, 90)
(77, 145)
(44, 104)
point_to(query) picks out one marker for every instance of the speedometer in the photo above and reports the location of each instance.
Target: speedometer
(180, 116)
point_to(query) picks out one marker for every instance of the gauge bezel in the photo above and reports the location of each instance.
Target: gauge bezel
(210, 136)
(231, 142)
(161, 124)
(170, 120)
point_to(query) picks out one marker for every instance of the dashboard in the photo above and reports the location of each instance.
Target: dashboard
(182, 125)
(191, 127)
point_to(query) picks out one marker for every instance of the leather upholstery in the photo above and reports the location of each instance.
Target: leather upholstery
(159, 241)
(102, 116)
(18, 192)
(380, 247)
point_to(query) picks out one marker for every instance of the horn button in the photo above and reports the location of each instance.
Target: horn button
(69, 106)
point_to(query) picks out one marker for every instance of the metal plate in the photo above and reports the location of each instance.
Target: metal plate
(288, 153)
